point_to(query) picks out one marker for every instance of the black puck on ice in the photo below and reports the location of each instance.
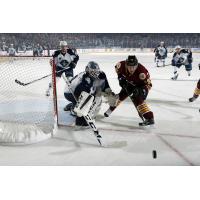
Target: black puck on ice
(154, 154)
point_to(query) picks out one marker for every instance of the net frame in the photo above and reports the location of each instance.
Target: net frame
(14, 133)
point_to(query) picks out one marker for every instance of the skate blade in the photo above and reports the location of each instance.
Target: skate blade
(152, 126)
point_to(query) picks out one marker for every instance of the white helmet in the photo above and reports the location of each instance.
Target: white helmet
(63, 43)
(177, 47)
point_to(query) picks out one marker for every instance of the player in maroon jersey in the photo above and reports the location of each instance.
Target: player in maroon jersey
(135, 83)
(196, 91)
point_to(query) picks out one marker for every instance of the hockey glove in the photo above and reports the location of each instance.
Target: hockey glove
(122, 82)
(199, 66)
(143, 93)
(72, 65)
(139, 92)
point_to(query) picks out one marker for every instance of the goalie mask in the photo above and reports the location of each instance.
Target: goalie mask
(93, 69)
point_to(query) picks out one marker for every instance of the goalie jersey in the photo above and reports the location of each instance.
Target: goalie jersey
(83, 82)
(11, 51)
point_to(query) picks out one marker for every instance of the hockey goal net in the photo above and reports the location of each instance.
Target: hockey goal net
(26, 114)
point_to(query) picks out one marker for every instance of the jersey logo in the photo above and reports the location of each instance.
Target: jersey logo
(88, 80)
(142, 76)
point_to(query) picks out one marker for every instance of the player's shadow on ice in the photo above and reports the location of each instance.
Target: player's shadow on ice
(167, 79)
(173, 105)
(68, 139)
(114, 121)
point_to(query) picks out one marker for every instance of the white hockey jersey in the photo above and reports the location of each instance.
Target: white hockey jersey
(11, 51)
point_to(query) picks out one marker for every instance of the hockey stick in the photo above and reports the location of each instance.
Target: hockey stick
(87, 118)
(28, 83)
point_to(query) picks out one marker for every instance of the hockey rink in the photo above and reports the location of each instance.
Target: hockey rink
(175, 136)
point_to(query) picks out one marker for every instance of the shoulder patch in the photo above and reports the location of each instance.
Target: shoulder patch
(117, 66)
(142, 76)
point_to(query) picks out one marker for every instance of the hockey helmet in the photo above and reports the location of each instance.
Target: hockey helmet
(63, 43)
(162, 43)
(177, 47)
(92, 69)
(131, 60)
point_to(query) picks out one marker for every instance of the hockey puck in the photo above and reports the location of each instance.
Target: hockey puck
(154, 154)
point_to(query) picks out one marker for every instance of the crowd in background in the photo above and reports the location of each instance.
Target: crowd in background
(28, 41)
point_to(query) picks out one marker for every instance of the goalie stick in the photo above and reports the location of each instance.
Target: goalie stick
(88, 118)
(28, 83)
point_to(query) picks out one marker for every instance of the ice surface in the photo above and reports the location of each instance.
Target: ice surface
(176, 136)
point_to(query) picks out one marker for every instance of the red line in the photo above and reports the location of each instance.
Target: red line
(175, 150)
(160, 137)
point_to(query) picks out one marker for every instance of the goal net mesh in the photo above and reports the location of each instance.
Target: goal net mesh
(27, 115)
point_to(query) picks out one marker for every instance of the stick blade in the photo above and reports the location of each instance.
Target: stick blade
(19, 82)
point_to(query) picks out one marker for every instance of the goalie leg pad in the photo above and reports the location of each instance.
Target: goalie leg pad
(84, 104)
(96, 106)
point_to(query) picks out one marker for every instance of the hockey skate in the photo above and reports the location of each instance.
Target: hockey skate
(174, 78)
(147, 122)
(72, 112)
(193, 98)
(47, 93)
(163, 64)
(108, 113)
(68, 107)
(80, 124)
(48, 90)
